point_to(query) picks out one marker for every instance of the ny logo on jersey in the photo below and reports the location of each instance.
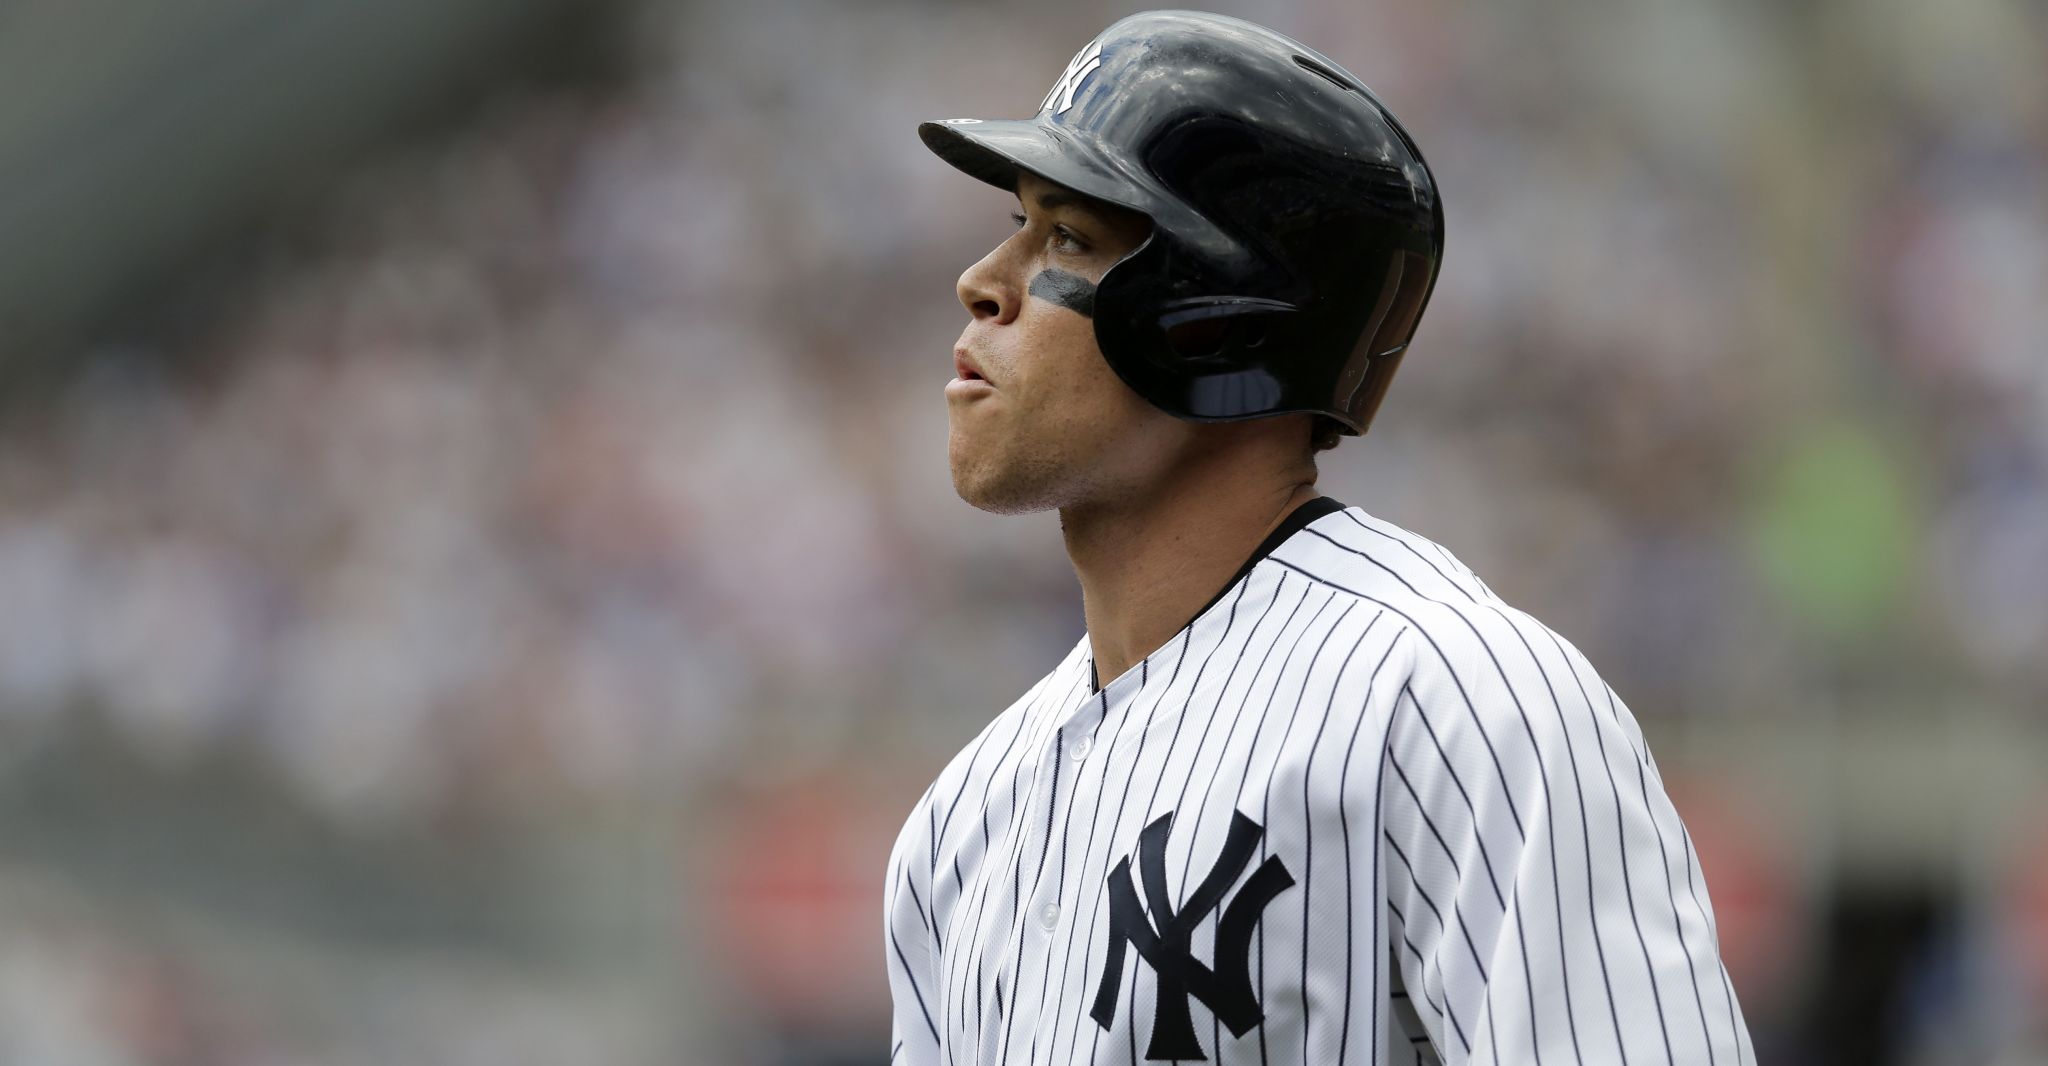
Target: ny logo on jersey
(1165, 938)
(1062, 95)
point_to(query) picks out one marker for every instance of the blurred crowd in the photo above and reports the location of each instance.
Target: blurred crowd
(597, 448)
(605, 435)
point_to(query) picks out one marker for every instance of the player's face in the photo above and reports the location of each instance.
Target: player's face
(1038, 419)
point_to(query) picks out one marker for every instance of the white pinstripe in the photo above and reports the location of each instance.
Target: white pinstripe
(1485, 866)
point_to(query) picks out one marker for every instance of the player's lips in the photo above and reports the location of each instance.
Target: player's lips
(967, 375)
(965, 368)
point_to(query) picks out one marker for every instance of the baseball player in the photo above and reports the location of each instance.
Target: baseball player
(1306, 791)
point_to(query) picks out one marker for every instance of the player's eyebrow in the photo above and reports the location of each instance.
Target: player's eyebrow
(1097, 217)
(1054, 199)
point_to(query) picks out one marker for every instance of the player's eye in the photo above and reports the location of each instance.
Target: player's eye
(1063, 239)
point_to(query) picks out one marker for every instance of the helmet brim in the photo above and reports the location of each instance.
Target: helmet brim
(995, 150)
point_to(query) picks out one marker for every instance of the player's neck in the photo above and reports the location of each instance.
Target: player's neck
(1146, 568)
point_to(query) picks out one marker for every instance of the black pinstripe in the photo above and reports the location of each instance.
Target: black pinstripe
(1453, 799)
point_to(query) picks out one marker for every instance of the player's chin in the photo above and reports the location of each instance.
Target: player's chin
(988, 483)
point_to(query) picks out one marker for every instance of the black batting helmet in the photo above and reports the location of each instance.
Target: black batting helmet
(1296, 230)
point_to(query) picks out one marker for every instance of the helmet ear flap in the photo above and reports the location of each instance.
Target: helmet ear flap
(1126, 321)
(1221, 329)
(1218, 337)
(1202, 338)
(1195, 356)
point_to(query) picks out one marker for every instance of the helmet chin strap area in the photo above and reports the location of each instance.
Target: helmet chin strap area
(1071, 291)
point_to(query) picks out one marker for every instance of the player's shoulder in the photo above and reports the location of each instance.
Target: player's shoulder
(1403, 572)
(1466, 636)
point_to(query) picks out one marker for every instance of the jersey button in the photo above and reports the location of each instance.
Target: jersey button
(1082, 747)
(1049, 916)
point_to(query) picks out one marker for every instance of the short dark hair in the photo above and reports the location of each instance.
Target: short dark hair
(1324, 433)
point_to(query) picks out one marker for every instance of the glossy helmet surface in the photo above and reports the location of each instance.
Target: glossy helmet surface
(1296, 229)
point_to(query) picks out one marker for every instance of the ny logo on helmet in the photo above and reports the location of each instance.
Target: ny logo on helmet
(1062, 95)
(1165, 938)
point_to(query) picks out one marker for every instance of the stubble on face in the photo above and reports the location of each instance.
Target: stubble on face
(1059, 429)
(1086, 439)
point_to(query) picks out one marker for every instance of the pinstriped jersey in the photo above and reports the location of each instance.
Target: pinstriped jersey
(1358, 810)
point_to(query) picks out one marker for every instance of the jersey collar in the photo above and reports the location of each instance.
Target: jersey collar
(1296, 520)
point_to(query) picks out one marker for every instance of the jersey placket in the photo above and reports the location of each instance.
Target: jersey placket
(1036, 874)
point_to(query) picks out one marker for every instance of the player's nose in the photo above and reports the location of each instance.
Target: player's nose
(987, 290)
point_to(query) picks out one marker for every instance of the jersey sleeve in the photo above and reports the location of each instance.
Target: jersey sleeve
(1543, 897)
(907, 943)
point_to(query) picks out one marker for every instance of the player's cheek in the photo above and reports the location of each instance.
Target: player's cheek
(1051, 363)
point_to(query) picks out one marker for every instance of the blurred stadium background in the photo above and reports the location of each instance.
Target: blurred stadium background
(479, 581)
